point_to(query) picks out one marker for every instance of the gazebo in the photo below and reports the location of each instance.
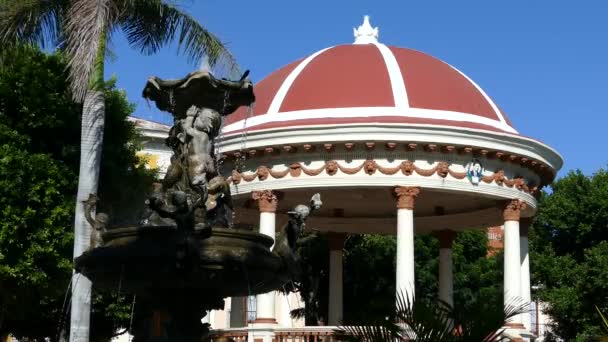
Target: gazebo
(397, 142)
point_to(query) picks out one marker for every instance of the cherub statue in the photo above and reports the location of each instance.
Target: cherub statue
(176, 140)
(99, 223)
(289, 238)
(179, 210)
(201, 125)
(218, 201)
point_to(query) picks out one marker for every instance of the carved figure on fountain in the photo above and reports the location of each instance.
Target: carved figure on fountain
(219, 202)
(99, 223)
(201, 126)
(178, 209)
(197, 104)
(177, 142)
(286, 245)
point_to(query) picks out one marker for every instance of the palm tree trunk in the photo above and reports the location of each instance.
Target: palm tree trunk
(91, 142)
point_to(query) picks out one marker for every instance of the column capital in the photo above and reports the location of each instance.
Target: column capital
(445, 237)
(406, 196)
(336, 241)
(267, 200)
(512, 210)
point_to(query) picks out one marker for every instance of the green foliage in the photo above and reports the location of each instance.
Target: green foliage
(369, 275)
(312, 289)
(39, 152)
(34, 214)
(124, 180)
(569, 254)
(477, 276)
(423, 320)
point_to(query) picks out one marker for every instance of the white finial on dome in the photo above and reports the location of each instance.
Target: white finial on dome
(366, 34)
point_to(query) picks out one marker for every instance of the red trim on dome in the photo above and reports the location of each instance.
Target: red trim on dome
(265, 91)
(370, 120)
(343, 76)
(433, 84)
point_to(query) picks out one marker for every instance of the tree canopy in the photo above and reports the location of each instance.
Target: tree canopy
(569, 254)
(39, 152)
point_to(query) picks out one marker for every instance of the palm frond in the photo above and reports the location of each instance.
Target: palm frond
(484, 321)
(425, 321)
(31, 22)
(87, 25)
(604, 320)
(151, 24)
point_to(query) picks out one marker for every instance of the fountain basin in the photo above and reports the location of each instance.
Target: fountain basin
(146, 260)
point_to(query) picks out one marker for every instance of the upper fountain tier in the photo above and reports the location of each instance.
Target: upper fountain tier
(200, 89)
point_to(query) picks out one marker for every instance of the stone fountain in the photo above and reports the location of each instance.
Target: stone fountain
(183, 258)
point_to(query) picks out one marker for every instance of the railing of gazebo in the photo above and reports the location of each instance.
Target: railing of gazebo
(306, 334)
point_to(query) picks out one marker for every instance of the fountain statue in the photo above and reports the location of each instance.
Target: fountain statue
(183, 258)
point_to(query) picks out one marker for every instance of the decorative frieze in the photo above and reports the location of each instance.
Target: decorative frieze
(535, 165)
(370, 167)
(308, 147)
(390, 146)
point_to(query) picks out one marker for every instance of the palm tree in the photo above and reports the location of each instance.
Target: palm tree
(82, 28)
(422, 321)
(604, 325)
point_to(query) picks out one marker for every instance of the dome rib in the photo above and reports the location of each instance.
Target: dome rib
(395, 75)
(278, 99)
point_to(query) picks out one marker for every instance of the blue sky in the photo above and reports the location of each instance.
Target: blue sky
(544, 62)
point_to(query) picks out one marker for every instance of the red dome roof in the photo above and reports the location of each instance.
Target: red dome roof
(369, 84)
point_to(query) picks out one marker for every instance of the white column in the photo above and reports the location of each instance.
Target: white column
(446, 277)
(284, 315)
(267, 202)
(405, 279)
(525, 271)
(336, 244)
(512, 264)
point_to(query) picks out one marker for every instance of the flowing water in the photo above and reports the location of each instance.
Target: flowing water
(64, 310)
(240, 161)
(131, 318)
(217, 158)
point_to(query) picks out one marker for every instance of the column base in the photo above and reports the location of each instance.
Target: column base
(517, 326)
(261, 332)
(264, 321)
(516, 332)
